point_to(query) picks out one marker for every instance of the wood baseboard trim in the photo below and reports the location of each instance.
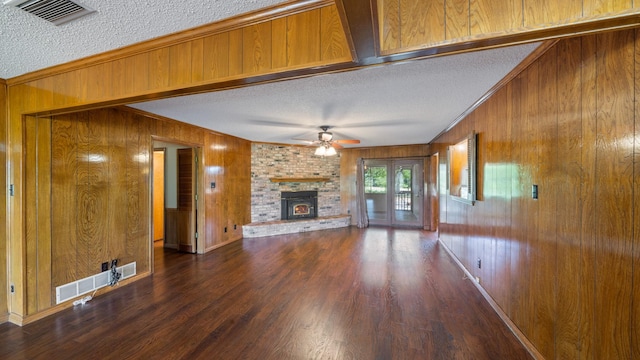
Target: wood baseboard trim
(514, 329)
(4, 318)
(220, 245)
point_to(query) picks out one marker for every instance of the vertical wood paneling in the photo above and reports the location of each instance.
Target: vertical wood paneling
(457, 21)
(539, 12)
(614, 183)
(140, 66)
(159, 68)
(569, 202)
(44, 292)
(489, 16)
(135, 222)
(424, 21)
(31, 207)
(3, 198)
(180, 64)
(92, 200)
(588, 218)
(99, 82)
(117, 155)
(598, 7)
(303, 38)
(389, 23)
(279, 54)
(635, 315)
(333, 42)
(236, 52)
(197, 60)
(570, 287)
(64, 190)
(547, 180)
(256, 48)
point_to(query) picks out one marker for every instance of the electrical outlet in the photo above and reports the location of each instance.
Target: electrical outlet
(234, 227)
(479, 263)
(105, 266)
(225, 229)
(13, 289)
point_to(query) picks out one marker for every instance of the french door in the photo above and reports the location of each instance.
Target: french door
(393, 192)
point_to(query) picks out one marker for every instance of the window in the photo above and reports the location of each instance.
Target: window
(375, 180)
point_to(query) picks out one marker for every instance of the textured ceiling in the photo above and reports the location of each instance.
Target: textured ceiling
(403, 103)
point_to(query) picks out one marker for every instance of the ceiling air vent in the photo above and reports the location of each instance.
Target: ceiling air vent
(55, 11)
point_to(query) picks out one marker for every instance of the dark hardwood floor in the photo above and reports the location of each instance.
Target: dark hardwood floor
(349, 293)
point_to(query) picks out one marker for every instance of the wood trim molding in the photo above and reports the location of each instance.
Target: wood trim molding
(240, 21)
(503, 316)
(539, 51)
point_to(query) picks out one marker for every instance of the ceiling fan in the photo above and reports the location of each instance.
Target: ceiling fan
(327, 145)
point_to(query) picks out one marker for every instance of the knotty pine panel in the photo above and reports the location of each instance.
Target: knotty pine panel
(564, 266)
(3, 199)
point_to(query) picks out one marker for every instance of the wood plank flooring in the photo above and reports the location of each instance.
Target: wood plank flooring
(347, 293)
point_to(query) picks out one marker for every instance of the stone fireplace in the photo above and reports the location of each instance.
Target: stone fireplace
(296, 205)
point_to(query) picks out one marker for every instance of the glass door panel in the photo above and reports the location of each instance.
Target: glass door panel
(407, 195)
(376, 190)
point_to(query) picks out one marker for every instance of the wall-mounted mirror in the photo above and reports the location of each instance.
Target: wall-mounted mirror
(462, 170)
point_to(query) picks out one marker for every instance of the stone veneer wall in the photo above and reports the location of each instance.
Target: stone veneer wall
(269, 160)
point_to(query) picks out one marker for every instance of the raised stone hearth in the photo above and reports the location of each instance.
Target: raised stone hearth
(280, 227)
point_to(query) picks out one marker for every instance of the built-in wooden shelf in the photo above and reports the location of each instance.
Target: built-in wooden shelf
(305, 179)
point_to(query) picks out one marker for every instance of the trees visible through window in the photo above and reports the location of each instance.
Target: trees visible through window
(375, 180)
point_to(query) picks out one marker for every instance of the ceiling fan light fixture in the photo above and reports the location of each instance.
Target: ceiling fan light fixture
(321, 150)
(331, 151)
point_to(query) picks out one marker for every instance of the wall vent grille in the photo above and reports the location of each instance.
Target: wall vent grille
(55, 11)
(80, 287)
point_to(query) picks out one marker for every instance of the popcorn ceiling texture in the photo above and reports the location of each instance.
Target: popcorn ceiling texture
(29, 43)
(268, 160)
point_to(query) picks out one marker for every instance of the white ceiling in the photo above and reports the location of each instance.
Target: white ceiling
(403, 103)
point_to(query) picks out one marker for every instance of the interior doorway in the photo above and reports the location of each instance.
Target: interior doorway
(175, 197)
(394, 192)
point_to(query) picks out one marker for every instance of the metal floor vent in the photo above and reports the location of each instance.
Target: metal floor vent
(55, 11)
(83, 286)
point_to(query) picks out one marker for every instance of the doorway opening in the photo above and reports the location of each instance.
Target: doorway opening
(393, 191)
(175, 198)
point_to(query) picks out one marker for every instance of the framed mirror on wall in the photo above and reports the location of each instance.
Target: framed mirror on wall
(462, 164)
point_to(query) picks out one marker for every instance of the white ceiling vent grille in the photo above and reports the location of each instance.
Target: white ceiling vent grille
(55, 11)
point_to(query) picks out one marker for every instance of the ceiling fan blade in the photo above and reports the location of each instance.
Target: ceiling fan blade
(347, 141)
(336, 145)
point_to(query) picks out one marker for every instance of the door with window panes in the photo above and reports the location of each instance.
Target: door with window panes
(393, 192)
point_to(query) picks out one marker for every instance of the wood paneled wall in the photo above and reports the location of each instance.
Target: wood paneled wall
(195, 58)
(406, 25)
(348, 161)
(87, 193)
(277, 40)
(564, 268)
(3, 201)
